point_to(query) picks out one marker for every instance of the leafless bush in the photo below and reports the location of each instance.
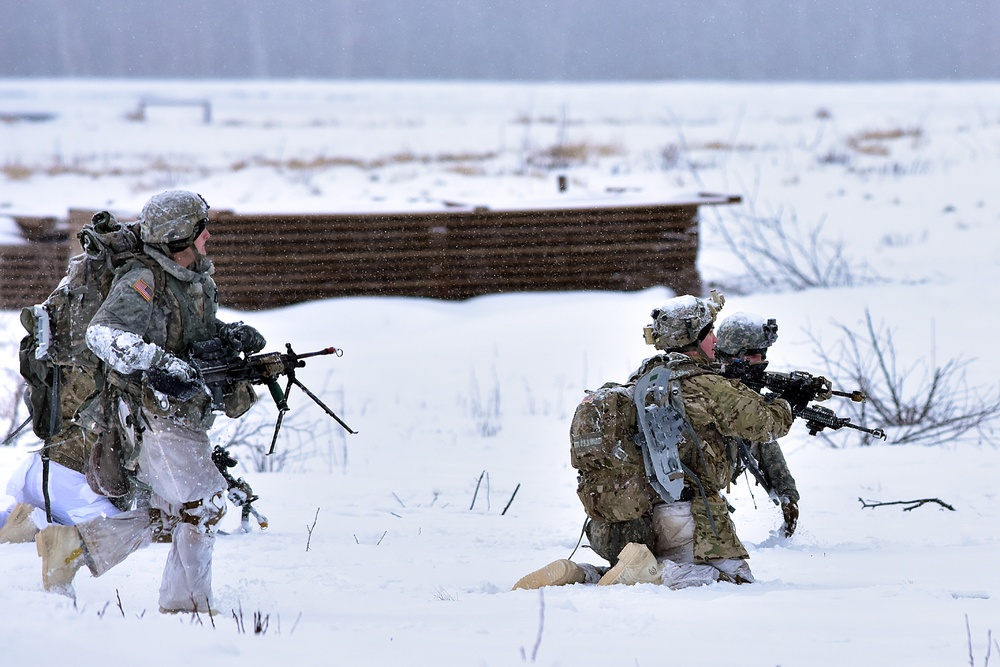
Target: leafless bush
(249, 439)
(780, 253)
(922, 402)
(13, 410)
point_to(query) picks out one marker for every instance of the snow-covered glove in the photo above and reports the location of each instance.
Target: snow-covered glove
(790, 511)
(175, 377)
(242, 337)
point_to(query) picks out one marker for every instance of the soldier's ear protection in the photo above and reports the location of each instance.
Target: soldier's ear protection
(647, 331)
(647, 334)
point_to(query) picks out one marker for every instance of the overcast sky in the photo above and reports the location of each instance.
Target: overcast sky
(539, 40)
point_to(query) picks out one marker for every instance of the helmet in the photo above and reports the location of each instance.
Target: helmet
(741, 332)
(173, 218)
(681, 321)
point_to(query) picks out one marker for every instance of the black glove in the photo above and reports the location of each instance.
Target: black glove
(790, 510)
(798, 396)
(242, 337)
(175, 378)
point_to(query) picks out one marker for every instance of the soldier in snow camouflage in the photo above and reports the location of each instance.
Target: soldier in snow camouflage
(159, 304)
(692, 540)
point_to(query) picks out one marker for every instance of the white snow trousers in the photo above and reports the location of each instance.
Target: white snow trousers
(187, 500)
(71, 499)
(673, 529)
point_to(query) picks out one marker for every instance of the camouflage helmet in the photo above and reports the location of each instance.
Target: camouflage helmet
(681, 321)
(173, 218)
(742, 332)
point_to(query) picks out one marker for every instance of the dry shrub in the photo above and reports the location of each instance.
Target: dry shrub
(723, 146)
(875, 142)
(919, 402)
(780, 253)
(17, 172)
(563, 155)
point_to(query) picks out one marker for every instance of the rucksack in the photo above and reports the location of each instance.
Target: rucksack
(60, 371)
(611, 475)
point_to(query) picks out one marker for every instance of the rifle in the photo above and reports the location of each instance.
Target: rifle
(798, 384)
(220, 367)
(240, 493)
(818, 418)
(750, 464)
(799, 388)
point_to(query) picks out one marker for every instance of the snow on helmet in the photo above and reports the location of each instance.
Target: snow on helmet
(742, 332)
(173, 218)
(682, 321)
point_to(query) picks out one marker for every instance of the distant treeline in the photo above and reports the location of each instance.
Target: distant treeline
(503, 39)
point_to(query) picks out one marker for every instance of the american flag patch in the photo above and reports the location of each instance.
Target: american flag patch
(143, 288)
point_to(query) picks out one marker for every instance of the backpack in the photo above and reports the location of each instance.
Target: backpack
(62, 375)
(54, 358)
(611, 475)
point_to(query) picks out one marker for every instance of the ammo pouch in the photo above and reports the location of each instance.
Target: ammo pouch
(106, 470)
(238, 399)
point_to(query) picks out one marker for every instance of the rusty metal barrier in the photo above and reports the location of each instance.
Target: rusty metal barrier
(271, 260)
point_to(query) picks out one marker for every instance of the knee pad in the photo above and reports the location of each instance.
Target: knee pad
(673, 524)
(204, 513)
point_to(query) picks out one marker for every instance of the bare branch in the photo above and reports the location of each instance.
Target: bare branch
(778, 252)
(920, 403)
(912, 504)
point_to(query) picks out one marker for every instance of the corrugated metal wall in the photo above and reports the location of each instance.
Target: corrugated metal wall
(267, 260)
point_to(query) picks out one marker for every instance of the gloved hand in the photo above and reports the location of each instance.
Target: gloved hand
(242, 337)
(790, 511)
(824, 388)
(175, 378)
(797, 397)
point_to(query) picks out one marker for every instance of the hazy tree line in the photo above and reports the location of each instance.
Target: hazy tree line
(503, 39)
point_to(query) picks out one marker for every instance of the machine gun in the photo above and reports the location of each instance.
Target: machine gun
(240, 493)
(220, 368)
(799, 388)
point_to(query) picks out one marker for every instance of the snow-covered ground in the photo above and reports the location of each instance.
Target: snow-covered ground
(376, 553)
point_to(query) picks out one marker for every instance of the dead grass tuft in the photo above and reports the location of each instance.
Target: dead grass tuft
(875, 142)
(17, 172)
(564, 155)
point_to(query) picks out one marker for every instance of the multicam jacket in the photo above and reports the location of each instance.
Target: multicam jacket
(719, 409)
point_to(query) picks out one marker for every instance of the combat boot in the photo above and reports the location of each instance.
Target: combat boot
(61, 550)
(20, 527)
(557, 573)
(636, 565)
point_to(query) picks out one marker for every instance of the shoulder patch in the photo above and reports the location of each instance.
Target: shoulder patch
(144, 289)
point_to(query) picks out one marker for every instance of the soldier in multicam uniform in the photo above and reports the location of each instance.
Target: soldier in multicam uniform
(158, 306)
(690, 541)
(747, 337)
